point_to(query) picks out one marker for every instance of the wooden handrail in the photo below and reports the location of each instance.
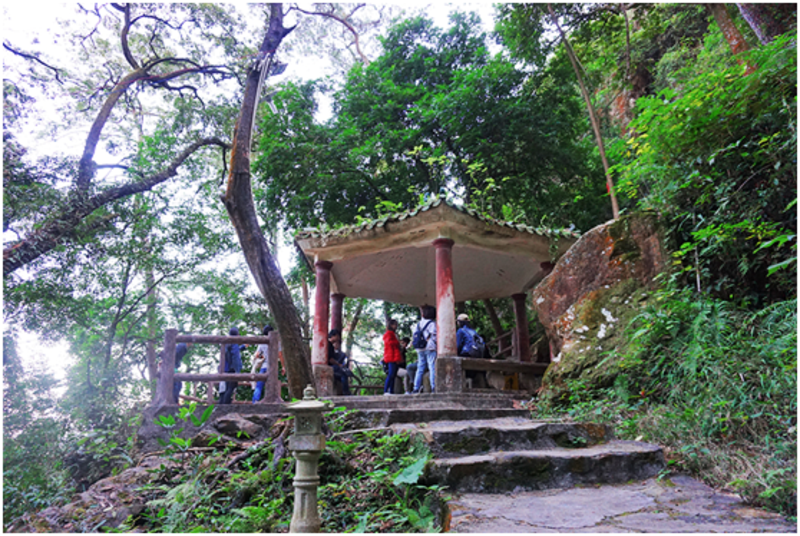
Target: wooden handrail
(164, 394)
(220, 377)
(222, 339)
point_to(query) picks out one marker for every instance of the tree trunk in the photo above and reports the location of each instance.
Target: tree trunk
(351, 329)
(732, 34)
(152, 328)
(573, 59)
(238, 200)
(769, 20)
(496, 325)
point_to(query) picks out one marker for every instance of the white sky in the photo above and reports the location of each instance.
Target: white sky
(24, 23)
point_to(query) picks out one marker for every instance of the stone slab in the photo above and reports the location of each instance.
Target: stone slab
(612, 462)
(449, 439)
(651, 505)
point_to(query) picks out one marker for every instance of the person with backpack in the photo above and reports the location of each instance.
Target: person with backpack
(470, 344)
(233, 363)
(391, 355)
(261, 364)
(424, 341)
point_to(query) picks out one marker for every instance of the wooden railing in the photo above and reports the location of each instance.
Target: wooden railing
(168, 375)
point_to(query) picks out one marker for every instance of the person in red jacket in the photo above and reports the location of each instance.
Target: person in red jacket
(391, 355)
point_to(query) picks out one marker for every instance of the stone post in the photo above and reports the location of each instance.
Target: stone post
(306, 445)
(521, 328)
(323, 374)
(449, 377)
(337, 306)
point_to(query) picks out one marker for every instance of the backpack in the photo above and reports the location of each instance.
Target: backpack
(419, 341)
(474, 347)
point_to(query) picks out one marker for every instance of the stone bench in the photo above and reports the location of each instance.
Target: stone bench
(450, 377)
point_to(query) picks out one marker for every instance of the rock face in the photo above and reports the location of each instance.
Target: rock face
(107, 503)
(591, 295)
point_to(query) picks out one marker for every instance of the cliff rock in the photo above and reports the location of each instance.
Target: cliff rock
(591, 295)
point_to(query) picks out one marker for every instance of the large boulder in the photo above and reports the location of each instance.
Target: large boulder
(591, 295)
(234, 423)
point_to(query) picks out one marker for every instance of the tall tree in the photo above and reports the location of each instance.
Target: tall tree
(155, 57)
(238, 200)
(729, 29)
(434, 110)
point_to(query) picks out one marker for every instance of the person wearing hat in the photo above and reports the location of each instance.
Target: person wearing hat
(470, 344)
(464, 334)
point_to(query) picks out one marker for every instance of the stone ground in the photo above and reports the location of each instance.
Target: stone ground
(675, 505)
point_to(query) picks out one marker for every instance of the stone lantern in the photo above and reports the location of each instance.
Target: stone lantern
(306, 445)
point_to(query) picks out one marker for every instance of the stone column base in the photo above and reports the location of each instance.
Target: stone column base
(449, 375)
(323, 377)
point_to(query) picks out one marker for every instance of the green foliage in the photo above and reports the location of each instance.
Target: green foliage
(384, 492)
(714, 384)
(433, 112)
(717, 157)
(186, 414)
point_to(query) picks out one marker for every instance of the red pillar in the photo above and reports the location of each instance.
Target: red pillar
(323, 374)
(445, 299)
(523, 338)
(337, 303)
(319, 349)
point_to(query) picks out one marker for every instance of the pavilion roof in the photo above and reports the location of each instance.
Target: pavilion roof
(391, 258)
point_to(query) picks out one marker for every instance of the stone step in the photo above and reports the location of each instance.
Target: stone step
(382, 418)
(496, 399)
(608, 463)
(449, 439)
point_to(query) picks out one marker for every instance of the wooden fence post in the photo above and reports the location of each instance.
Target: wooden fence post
(164, 387)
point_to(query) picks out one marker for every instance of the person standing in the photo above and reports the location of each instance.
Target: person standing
(338, 360)
(233, 363)
(391, 355)
(261, 364)
(407, 370)
(427, 355)
(180, 351)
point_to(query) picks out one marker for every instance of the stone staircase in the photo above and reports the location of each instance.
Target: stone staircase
(487, 443)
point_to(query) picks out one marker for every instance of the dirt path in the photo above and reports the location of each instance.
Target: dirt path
(680, 504)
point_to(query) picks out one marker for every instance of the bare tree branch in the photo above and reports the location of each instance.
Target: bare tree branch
(126, 10)
(346, 23)
(34, 58)
(49, 235)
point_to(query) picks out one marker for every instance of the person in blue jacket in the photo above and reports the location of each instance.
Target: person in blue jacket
(233, 363)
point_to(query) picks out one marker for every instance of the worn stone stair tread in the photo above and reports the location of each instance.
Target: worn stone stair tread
(612, 462)
(500, 423)
(499, 399)
(374, 417)
(612, 447)
(448, 439)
